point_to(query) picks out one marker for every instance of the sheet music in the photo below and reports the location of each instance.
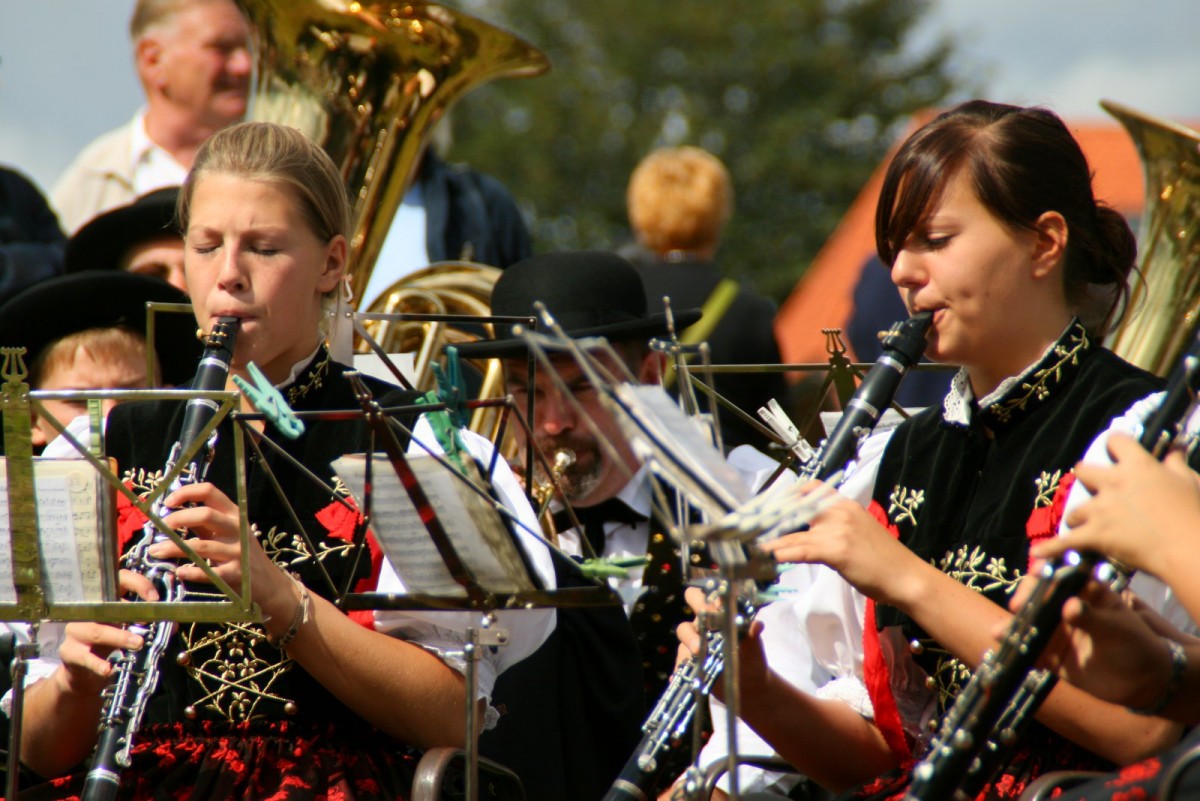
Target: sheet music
(8, 589)
(670, 442)
(69, 532)
(677, 451)
(475, 529)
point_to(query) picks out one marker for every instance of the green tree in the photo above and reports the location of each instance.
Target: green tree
(800, 98)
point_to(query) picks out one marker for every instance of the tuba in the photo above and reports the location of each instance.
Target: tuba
(1166, 299)
(444, 288)
(368, 81)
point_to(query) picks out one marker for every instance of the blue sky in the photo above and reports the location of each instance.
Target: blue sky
(66, 74)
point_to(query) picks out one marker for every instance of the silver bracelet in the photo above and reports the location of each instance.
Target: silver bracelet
(299, 618)
(1178, 668)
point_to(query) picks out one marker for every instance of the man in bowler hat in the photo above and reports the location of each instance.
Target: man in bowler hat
(589, 294)
(597, 294)
(140, 237)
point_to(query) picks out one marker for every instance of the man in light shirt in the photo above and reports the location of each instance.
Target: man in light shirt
(193, 61)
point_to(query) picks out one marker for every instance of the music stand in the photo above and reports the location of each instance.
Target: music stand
(677, 453)
(392, 472)
(38, 594)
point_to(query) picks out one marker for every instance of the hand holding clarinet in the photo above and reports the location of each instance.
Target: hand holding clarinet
(1146, 515)
(993, 710)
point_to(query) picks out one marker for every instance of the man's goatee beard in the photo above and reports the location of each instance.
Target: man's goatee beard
(579, 484)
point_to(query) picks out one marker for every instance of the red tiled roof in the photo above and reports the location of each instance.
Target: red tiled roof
(823, 296)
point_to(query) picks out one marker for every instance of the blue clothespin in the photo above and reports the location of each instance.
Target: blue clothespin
(269, 402)
(447, 423)
(451, 388)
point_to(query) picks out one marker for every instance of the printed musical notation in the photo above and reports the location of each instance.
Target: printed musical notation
(69, 532)
(475, 529)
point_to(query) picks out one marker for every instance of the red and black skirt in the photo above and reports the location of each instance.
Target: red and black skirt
(275, 760)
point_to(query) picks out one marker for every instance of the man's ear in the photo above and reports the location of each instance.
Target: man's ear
(147, 56)
(652, 368)
(1050, 243)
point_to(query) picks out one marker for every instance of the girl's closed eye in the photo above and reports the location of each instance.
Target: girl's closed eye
(925, 239)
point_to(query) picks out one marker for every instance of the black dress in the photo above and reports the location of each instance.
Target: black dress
(234, 717)
(968, 489)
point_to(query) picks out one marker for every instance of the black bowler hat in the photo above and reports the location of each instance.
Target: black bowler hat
(68, 304)
(590, 293)
(106, 238)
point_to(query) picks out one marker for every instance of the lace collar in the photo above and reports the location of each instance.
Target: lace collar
(1017, 395)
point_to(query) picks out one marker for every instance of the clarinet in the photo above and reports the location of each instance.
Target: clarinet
(996, 706)
(137, 672)
(668, 722)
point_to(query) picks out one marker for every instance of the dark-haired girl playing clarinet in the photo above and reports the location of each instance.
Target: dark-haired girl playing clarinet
(987, 219)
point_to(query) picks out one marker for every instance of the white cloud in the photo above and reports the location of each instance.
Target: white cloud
(1149, 85)
(1069, 54)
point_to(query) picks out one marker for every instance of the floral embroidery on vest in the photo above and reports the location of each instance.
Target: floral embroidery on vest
(903, 503)
(235, 667)
(312, 378)
(1047, 486)
(1037, 385)
(232, 663)
(973, 568)
(969, 567)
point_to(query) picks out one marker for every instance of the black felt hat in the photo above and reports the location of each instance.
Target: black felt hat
(52, 309)
(590, 293)
(104, 240)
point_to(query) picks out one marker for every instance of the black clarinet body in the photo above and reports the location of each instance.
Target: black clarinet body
(997, 705)
(668, 722)
(903, 345)
(136, 673)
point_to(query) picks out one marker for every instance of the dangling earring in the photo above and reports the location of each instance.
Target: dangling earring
(341, 329)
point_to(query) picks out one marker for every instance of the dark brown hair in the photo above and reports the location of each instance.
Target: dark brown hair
(1021, 162)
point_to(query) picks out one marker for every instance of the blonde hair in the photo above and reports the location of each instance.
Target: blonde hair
(275, 154)
(102, 344)
(679, 198)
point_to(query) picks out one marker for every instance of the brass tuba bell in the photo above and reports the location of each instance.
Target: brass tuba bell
(1165, 301)
(367, 81)
(443, 288)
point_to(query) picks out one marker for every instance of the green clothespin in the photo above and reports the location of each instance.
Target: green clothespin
(611, 566)
(448, 435)
(269, 402)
